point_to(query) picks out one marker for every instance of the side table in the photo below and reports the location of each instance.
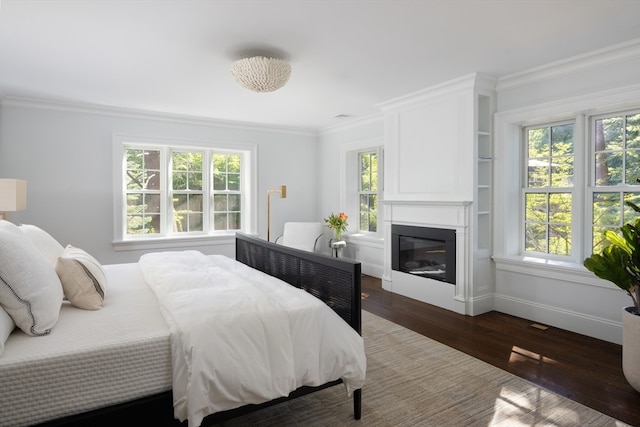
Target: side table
(337, 248)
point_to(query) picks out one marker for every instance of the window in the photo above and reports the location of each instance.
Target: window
(549, 189)
(616, 172)
(172, 190)
(143, 192)
(187, 193)
(559, 172)
(361, 189)
(368, 191)
(227, 197)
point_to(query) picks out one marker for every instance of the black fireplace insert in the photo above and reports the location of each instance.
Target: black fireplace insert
(424, 252)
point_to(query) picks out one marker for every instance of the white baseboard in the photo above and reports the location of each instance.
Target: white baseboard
(479, 305)
(372, 269)
(597, 327)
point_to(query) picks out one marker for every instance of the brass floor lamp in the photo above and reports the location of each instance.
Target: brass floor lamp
(283, 195)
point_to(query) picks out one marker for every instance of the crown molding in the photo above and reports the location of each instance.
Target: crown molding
(351, 123)
(589, 103)
(77, 107)
(610, 55)
(461, 84)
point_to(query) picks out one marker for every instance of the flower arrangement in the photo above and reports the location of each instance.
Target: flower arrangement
(337, 223)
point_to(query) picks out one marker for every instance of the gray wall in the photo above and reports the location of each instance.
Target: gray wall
(65, 155)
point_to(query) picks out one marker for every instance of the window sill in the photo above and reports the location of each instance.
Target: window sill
(551, 269)
(363, 239)
(172, 242)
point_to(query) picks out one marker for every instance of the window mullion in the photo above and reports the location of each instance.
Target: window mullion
(581, 177)
(165, 191)
(207, 174)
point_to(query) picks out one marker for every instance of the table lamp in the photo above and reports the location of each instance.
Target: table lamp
(13, 196)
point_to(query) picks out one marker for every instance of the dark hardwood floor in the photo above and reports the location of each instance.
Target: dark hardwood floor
(584, 369)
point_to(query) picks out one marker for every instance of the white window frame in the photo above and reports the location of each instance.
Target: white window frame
(579, 184)
(592, 187)
(378, 151)
(349, 184)
(205, 191)
(167, 238)
(583, 186)
(507, 181)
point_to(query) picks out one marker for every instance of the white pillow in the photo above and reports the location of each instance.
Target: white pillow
(49, 246)
(6, 327)
(30, 290)
(82, 277)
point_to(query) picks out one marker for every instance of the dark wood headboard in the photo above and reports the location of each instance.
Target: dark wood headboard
(336, 281)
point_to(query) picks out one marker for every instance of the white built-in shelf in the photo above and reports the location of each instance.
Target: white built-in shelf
(482, 200)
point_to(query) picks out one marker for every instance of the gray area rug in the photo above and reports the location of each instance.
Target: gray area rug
(415, 381)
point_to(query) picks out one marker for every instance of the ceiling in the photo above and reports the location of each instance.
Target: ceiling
(346, 55)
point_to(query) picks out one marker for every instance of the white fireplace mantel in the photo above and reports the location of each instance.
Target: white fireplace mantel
(454, 215)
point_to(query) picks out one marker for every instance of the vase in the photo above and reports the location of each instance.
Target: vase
(338, 235)
(631, 347)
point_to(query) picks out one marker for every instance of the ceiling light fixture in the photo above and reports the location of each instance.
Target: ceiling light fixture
(261, 74)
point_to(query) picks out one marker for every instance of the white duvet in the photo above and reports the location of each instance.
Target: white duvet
(239, 336)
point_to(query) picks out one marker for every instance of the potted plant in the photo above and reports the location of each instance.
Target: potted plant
(619, 262)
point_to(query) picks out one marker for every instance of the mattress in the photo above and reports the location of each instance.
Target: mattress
(91, 359)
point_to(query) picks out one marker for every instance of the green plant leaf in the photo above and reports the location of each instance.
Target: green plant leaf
(611, 265)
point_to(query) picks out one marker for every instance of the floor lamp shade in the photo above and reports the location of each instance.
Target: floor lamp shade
(13, 196)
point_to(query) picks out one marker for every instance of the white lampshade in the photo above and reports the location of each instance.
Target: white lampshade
(261, 74)
(13, 195)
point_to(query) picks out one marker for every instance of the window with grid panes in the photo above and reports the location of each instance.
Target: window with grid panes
(554, 215)
(173, 191)
(187, 193)
(549, 188)
(368, 191)
(615, 163)
(226, 192)
(143, 191)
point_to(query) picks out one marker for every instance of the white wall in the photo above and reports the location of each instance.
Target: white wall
(334, 144)
(560, 294)
(568, 297)
(65, 154)
(429, 143)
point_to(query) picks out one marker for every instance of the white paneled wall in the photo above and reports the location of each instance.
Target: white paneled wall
(565, 296)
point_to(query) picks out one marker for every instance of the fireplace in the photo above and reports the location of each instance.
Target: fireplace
(440, 221)
(424, 252)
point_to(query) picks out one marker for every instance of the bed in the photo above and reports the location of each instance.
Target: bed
(108, 365)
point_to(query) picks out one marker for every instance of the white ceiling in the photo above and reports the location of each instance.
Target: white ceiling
(346, 55)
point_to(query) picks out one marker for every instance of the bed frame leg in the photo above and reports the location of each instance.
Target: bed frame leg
(357, 404)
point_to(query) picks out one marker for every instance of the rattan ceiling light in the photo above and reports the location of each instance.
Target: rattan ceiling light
(261, 74)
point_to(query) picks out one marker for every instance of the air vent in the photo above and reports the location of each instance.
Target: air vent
(539, 326)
